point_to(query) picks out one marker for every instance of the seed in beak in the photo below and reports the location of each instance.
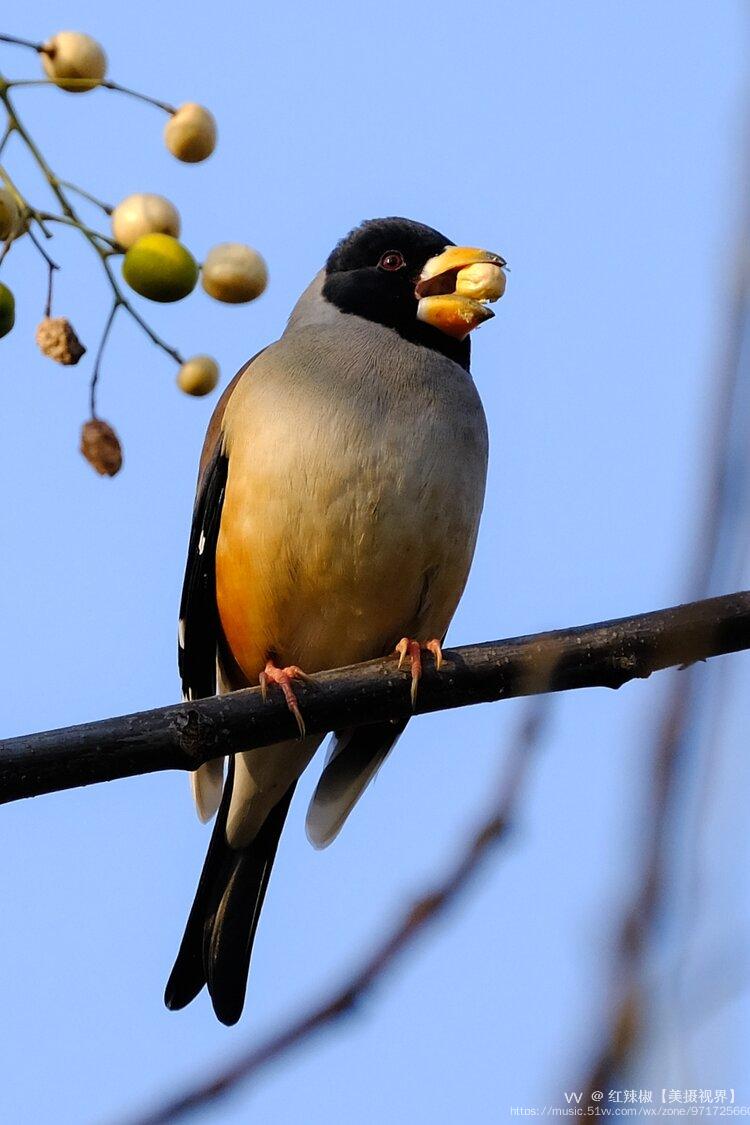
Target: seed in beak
(483, 281)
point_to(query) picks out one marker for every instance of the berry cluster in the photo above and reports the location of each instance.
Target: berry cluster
(144, 233)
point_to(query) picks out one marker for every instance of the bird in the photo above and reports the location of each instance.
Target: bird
(339, 494)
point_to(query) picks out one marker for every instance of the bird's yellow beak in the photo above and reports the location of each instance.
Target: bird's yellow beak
(454, 286)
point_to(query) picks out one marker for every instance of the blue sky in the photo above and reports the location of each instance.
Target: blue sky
(597, 148)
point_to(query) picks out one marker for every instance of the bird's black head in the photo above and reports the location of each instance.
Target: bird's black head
(373, 273)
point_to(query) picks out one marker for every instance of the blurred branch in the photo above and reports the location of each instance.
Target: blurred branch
(493, 828)
(185, 735)
(720, 520)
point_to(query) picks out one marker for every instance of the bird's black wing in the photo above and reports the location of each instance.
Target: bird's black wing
(200, 637)
(199, 633)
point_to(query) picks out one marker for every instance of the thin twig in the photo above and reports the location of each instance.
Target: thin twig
(7, 134)
(185, 735)
(17, 42)
(92, 84)
(50, 217)
(99, 355)
(136, 316)
(52, 266)
(105, 207)
(42, 225)
(166, 106)
(493, 828)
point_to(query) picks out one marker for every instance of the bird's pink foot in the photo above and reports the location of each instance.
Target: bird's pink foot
(283, 678)
(407, 647)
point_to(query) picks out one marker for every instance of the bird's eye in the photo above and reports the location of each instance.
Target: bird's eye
(392, 260)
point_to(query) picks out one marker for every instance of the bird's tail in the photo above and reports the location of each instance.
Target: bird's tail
(355, 757)
(220, 930)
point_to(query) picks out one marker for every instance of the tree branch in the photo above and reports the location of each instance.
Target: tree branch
(183, 736)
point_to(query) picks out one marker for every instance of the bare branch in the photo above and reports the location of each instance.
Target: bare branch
(48, 217)
(493, 828)
(107, 208)
(100, 355)
(52, 266)
(185, 735)
(91, 84)
(7, 134)
(18, 42)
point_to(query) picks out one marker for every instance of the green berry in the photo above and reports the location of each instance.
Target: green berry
(7, 310)
(159, 267)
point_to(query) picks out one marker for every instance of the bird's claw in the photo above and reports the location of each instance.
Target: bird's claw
(283, 678)
(413, 649)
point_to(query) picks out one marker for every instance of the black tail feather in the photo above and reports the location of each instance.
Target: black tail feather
(221, 927)
(188, 975)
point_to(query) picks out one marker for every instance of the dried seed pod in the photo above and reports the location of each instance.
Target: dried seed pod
(101, 447)
(57, 339)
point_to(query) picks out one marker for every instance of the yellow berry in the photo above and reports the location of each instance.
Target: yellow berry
(198, 375)
(234, 273)
(10, 216)
(159, 267)
(7, 310)
(190, 133)
(75, 56)
(141, 214)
